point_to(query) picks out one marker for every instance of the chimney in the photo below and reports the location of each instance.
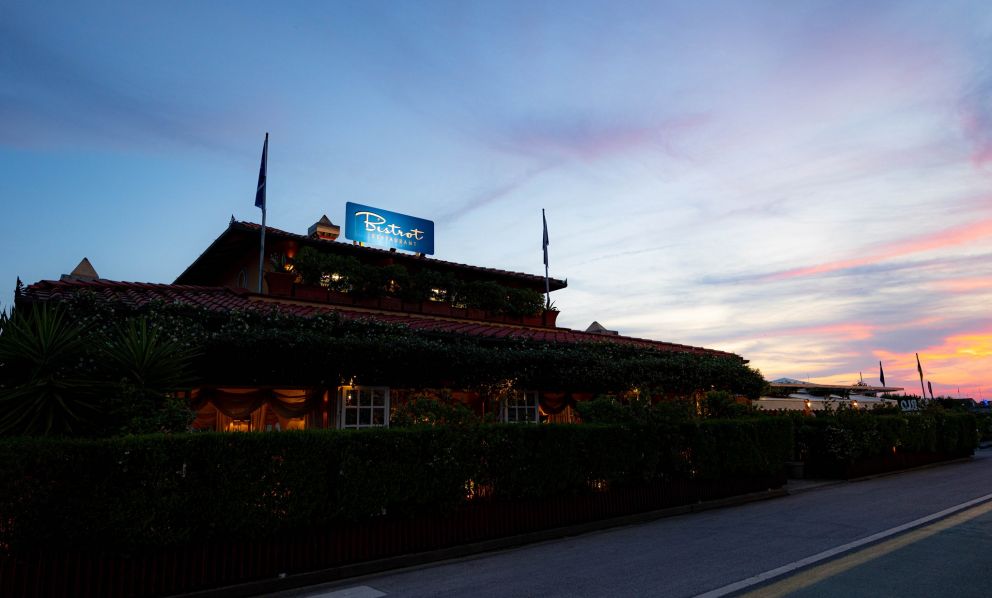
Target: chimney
(597, 328)
(324, 230)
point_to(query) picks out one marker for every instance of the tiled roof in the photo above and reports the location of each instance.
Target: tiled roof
(137, 294)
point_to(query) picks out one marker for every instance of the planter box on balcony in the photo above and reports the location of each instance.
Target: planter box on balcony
(391, 303)
(550, 317)
(310, 292)
(459, 312)
(536, 320)
(492, 316)
(339, 298)
(412, 307)
(435, 308)
(280, 283)
(474, 313)
(370, 302)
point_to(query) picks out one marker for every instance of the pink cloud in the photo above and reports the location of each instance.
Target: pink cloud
(964, 285)
(591, 139)
(976, 122)
(844, 331)
(959, 235)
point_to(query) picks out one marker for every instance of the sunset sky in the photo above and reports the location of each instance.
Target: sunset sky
(807, 184)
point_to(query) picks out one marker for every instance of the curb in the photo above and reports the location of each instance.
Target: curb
(285, 585)
(829, 483)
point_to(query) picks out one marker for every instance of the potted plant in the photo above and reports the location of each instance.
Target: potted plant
(280, 280)
(550, 315)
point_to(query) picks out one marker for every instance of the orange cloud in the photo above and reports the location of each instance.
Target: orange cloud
(963, 360)
(959, 235)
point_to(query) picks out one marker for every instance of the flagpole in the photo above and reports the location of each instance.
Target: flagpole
(261, 254)
(260, 203)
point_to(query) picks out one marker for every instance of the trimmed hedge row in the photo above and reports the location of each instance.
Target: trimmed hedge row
(155, 491)
(829, 445)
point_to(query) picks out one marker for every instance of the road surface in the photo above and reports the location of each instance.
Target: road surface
(919, 533)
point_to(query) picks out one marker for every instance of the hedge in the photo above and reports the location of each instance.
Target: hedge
(156, 491)
(830, 444)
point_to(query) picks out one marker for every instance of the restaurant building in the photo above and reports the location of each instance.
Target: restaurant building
(396, 284)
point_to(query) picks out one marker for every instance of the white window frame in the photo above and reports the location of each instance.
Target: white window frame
(359, 412)
(521, 407)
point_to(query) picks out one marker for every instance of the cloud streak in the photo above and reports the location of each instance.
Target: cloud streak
(951, 237)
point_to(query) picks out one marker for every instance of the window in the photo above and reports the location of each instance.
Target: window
(243, 279)
(363, 406)
(521, 408)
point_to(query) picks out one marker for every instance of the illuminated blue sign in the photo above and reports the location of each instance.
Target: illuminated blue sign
(383, 228)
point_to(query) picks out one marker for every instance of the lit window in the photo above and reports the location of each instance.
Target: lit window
(363, 406)
(521, 408)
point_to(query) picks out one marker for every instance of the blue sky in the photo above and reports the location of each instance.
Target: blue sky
(806, 184)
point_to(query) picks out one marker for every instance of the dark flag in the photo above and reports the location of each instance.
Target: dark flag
(547, 281)
(260, 192)
(546, 241)
(881, 373)
(931, 389)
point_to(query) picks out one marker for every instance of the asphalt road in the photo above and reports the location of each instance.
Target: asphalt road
(952, 557)
(715, 551)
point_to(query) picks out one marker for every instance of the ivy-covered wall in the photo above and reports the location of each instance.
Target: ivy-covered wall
(271, 347)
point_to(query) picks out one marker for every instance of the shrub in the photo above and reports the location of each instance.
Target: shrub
(428, 410)
(157, 490)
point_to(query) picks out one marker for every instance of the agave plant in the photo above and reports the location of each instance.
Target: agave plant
(145, 366)
(42, 355)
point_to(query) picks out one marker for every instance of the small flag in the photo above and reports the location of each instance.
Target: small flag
(919, 368)
(260, 192)
(881, 373)
(546, 241)
(931, 389)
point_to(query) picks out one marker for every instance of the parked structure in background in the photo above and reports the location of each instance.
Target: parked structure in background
(796, 395)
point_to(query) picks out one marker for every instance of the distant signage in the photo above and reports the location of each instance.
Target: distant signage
(382, 228)
(909, 405)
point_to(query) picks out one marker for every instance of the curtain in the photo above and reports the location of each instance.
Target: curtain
(225, 409)
(553, 403)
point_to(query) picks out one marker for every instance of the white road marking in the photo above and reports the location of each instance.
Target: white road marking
(353, 592)
(826, 554)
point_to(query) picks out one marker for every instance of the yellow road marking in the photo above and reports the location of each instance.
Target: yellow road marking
(808, 577)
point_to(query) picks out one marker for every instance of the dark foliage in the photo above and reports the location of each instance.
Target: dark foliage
(268, 346)
(144, 491)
